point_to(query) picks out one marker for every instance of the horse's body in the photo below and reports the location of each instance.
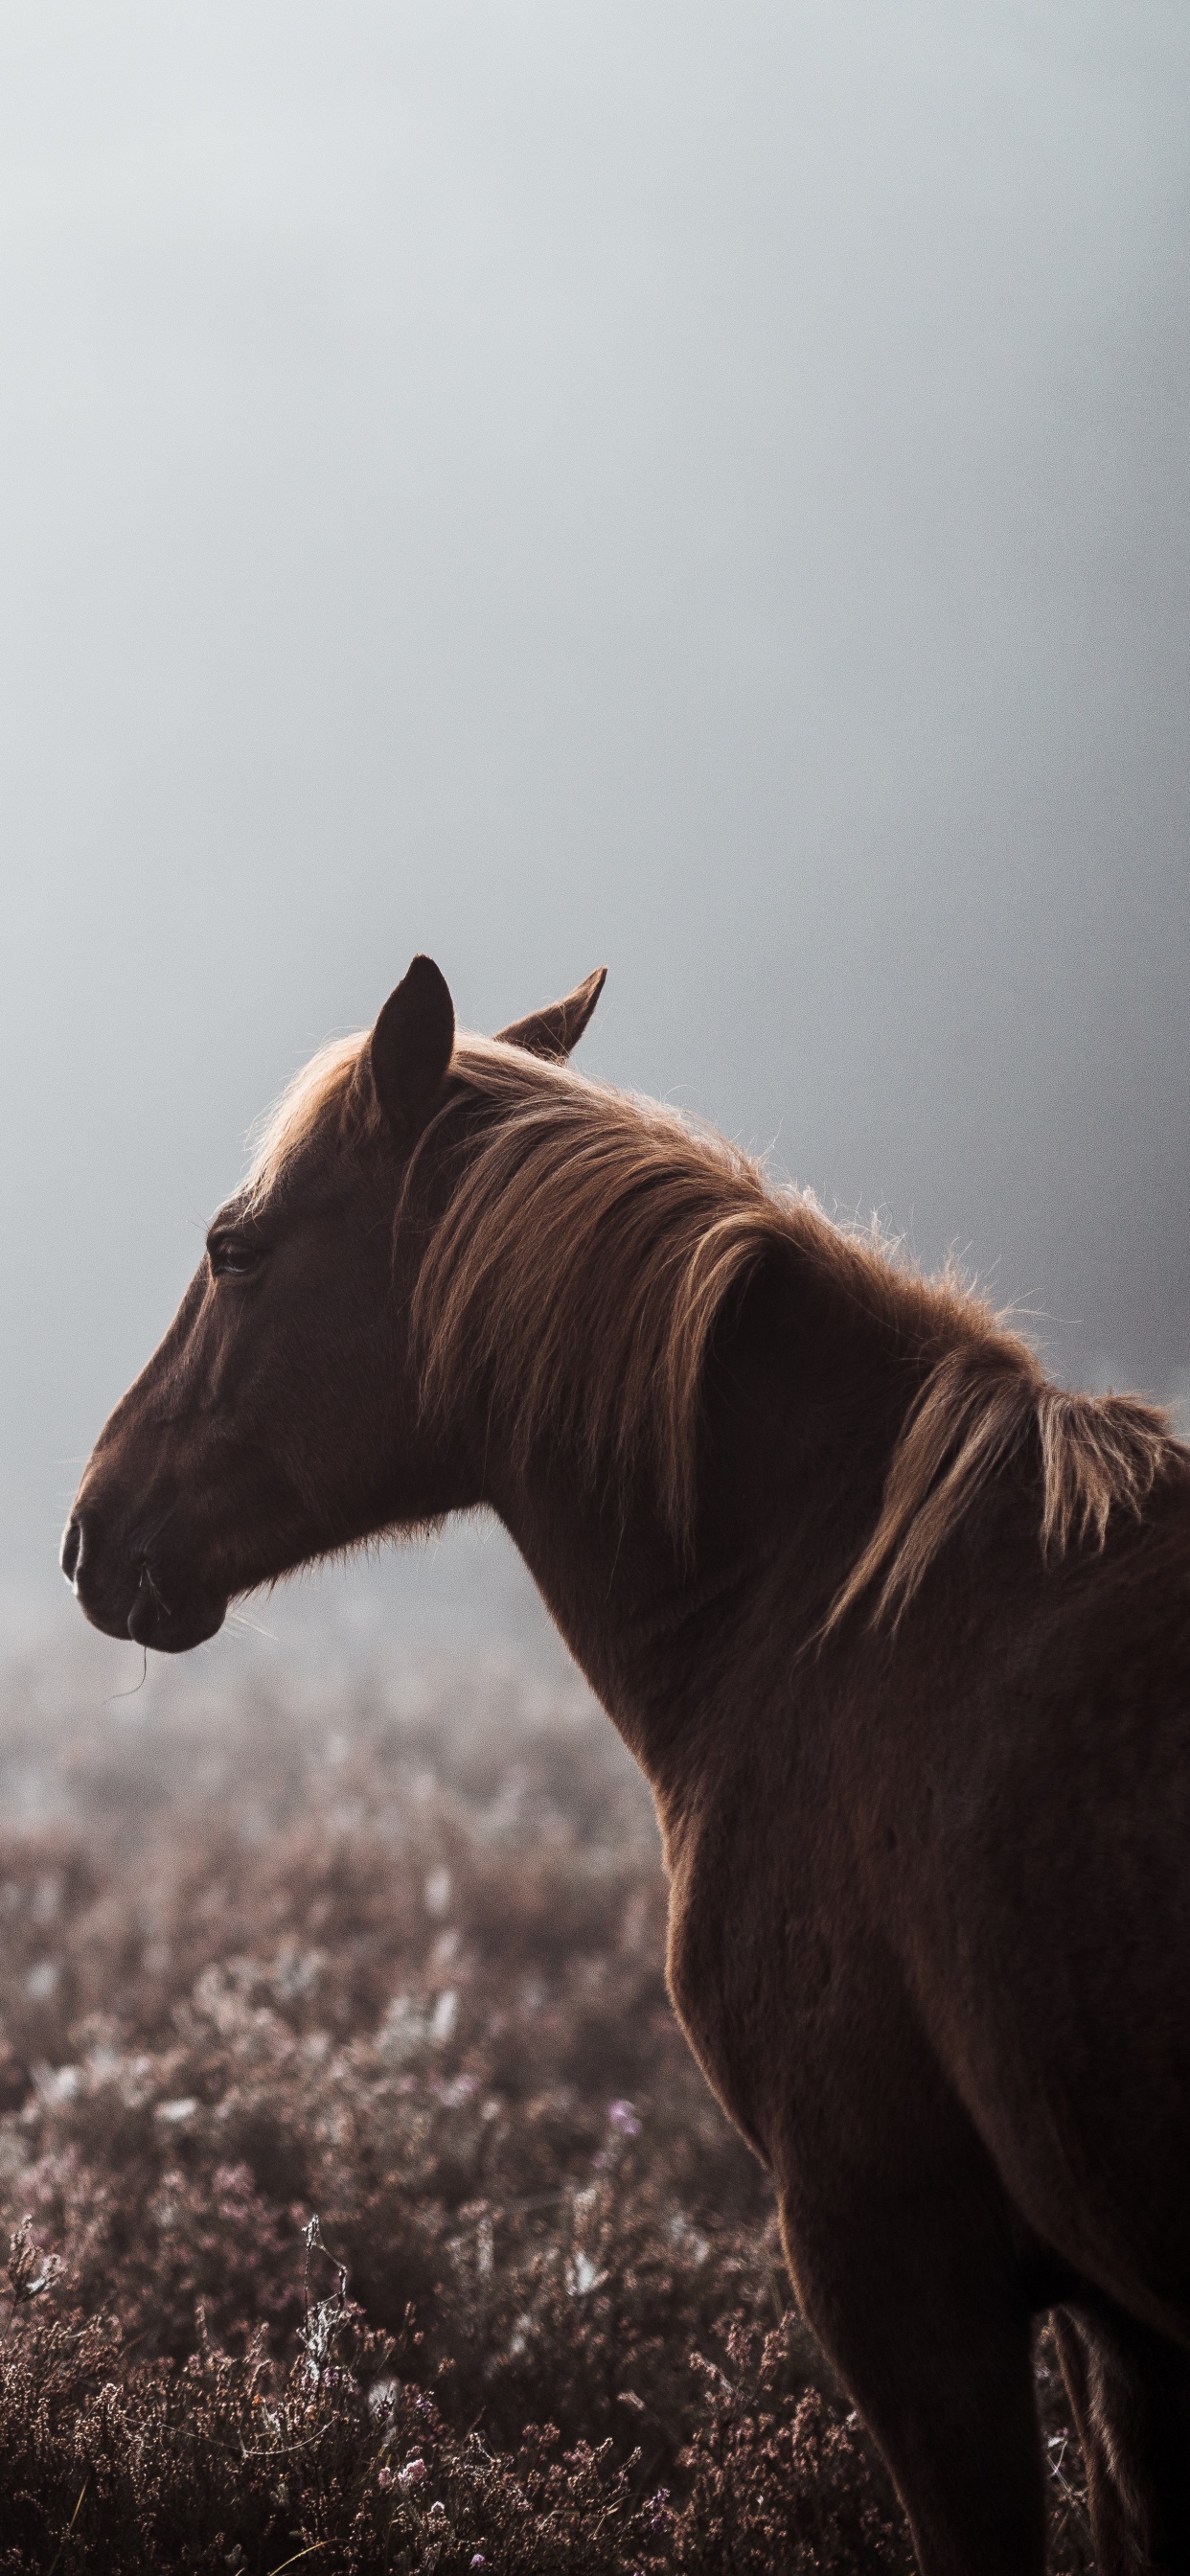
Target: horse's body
(900, 1635)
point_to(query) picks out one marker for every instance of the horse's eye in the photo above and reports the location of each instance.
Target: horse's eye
(231, 1257)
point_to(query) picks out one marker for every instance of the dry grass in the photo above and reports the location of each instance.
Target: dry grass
(399, 1970)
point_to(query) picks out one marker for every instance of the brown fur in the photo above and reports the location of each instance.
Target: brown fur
(899, 1631)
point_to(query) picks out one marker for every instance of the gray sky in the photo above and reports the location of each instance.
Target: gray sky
(703, 488)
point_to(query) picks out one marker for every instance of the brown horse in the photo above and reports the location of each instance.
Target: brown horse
(899, 1632)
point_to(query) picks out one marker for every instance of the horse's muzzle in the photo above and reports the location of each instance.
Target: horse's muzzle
(126, 1597)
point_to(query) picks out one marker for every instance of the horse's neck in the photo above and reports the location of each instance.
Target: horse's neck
(800, 1413)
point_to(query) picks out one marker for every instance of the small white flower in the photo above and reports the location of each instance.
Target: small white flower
(437, 1890)
(582, 2276)
(444, 2017)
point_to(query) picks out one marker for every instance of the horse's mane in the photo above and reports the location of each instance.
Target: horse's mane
(277, 1138)
(592, 1241)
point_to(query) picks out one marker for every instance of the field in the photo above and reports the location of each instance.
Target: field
(365, 2208)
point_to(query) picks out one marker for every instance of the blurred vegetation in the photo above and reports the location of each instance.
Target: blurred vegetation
(366, 2208)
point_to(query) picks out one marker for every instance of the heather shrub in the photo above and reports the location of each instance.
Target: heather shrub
(397, 1971)
(778, 2477)
(110, 2462)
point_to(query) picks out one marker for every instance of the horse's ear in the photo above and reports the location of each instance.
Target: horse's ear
(411, 1046)
(558, 1028)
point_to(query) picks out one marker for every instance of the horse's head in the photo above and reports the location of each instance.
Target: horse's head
(279, 1419)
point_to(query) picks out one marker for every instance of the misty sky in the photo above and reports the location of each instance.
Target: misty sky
(701, 488)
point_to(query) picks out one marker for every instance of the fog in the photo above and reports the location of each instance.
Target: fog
(703, 489)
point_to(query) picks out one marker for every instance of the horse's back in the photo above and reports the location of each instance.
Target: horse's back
(975, 1847)
(1046, 1927)
(1072, 1884)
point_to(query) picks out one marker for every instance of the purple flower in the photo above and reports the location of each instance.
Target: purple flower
(412, 2473)
(479, 2560)
(622, 2116)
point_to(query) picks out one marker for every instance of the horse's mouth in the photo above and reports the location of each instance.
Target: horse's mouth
(172, 1630)
(153, 1609)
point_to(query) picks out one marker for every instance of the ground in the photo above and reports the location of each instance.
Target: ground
(366, 2208)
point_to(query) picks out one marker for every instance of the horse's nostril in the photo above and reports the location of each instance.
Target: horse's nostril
(71, 1550)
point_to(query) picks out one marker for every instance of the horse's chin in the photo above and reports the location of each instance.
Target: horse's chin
(173, 1628)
